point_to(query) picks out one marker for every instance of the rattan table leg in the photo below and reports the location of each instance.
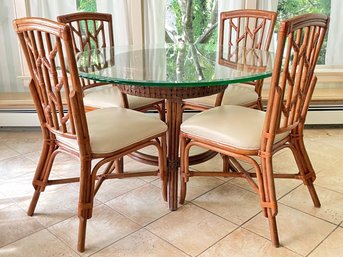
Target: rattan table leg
(174, 118)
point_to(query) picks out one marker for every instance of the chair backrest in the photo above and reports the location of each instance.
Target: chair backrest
(293, 80)
(90, 30)
(246, 28)
(47, 46)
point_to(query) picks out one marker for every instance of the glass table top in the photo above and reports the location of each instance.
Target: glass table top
(175, 65)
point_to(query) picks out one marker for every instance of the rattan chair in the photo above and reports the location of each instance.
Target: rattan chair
(103, 135)
(244, 133)
(94, 30)
(240, 28)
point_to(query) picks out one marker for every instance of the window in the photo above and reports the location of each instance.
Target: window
(289, 8)
(192, 21)
(329, 89)
(199, 25)
(86, 5)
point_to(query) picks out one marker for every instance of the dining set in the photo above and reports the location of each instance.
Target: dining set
(96, 101)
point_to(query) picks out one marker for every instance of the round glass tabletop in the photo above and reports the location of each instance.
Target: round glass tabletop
(175, 65)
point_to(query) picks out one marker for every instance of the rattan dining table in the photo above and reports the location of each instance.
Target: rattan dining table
(174, 72)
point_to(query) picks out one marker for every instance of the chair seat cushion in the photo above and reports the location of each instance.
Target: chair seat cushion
(239, 94)
(235, 126)
(110, 97)
(235, 94)
(111, 129)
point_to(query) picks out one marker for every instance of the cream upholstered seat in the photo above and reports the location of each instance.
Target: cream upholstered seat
(94, 30)
(98, 139)
(229, 125)
(254, 136)
(235, 94)
(240, 28)
(112, 129)
(112, 97)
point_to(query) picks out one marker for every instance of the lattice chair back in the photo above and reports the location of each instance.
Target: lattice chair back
(246, 28)
(293, 81)
(89, 31)
(47, 46)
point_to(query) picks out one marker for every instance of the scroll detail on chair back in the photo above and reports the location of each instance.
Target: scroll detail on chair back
(242, 133)
(248, 28)
(95, 30)
(104, 134)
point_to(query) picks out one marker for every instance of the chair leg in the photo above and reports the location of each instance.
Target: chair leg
(163, 166)
(313, 193)
(41, 175)
(226, 163)
(162, 111)
(305, 168)
(164, 178)
(33, 203)
(183, 190)
(82, 235)
(119, 165)
(183, 169)
(309, 182)
(259, 104)
(273, 228)
(165, 189)
(268, 197)
(86, 196)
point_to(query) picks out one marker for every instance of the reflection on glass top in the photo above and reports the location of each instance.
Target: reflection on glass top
(175, 65)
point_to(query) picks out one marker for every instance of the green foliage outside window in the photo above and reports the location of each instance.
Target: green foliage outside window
(86, 5)
(195, 24)
(289, 8)
(191, 21)
(195, 21)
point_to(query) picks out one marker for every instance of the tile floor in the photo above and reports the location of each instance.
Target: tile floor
(222, 217)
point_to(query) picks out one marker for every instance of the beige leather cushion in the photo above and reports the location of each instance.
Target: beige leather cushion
(110, 97)
(239, 94)
(111, 129)
(235, 94)
(232, 125)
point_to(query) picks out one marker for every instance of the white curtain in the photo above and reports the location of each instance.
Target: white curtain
(122, 22)
(334, 53)
(136, 22)
(10, 66)
(52, 8)
(228, 5)
(269, 5)
(154, 22)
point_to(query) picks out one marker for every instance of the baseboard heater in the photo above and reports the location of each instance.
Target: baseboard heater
(317, 115)
(325, 114)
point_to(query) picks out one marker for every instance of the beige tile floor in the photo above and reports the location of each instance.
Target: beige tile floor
(222, 217)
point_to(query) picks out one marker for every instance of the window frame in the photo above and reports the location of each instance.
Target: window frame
(325, 73)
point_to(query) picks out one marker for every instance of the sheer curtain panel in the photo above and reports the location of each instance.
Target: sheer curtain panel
(10, 65)
(334, 53)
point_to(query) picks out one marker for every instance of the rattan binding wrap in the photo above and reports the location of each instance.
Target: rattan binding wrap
(171, 92)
